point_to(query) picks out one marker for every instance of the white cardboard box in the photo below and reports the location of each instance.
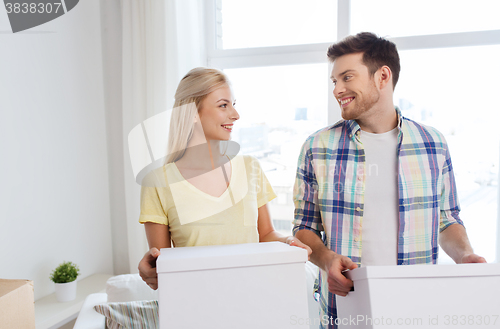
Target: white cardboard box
(253, 285)
(422, 296)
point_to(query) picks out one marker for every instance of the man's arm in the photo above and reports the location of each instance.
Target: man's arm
(453, 238)
(308, 221)
(455, 243)
(329, 261)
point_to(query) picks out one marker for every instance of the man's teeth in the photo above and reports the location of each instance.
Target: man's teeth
(347, 100)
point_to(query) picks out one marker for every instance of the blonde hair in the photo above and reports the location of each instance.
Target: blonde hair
(193, 88)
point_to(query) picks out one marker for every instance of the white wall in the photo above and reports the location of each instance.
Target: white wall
(54, 190)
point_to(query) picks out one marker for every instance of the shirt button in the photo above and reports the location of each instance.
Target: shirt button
(356, 239)
(358, 209)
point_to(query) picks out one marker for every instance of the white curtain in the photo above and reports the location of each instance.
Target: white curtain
(161, 41)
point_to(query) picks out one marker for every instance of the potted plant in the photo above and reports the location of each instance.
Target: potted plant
(64, 277)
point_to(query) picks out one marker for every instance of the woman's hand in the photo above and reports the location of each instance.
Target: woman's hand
(293, 241)
(147, 268)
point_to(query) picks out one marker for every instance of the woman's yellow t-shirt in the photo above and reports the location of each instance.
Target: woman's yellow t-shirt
(196, 218)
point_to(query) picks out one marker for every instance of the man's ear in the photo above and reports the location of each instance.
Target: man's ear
(385, 77)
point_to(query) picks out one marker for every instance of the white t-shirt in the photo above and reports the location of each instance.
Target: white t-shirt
(381, 212)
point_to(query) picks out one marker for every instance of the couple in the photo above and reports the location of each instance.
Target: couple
(395, 215)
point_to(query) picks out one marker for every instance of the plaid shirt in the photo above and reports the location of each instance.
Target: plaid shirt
(329, 193)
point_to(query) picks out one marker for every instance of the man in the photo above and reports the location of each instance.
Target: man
(375, 188)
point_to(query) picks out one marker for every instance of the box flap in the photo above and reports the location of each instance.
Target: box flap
(7, 286)
(424, 271)
(228, 256)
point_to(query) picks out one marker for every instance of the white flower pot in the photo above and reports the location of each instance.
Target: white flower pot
(66, 292)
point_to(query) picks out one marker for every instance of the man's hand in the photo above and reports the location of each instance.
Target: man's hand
(472, 258)
(337, 282)
(329, 261)
(147, 268)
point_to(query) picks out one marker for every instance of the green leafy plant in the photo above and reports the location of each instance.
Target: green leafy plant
(65, 272)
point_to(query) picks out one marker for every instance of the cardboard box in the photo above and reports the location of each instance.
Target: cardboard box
(422, 296)
(17, 304)
(245, 286)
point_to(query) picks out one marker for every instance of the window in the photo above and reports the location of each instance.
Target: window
(448, 80)
(263, 23)
(423, 17)
(279, 107)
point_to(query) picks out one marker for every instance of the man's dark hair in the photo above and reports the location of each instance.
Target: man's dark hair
(377, 52)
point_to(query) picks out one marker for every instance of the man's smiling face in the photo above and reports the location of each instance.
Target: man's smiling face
(355, 89)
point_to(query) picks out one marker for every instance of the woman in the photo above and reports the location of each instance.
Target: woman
(202, 196)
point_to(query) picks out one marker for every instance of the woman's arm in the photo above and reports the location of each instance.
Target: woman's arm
(158, 237)
(266, 228)
(267, 233)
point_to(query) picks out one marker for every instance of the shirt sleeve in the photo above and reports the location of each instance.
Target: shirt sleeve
(305, 194)
(152, 209)
(449, 205)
